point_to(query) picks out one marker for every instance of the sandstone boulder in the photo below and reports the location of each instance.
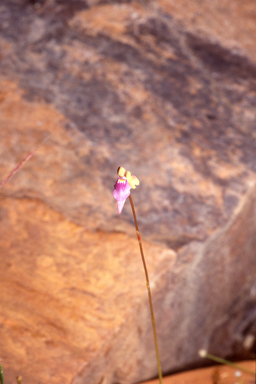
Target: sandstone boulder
(168, 90)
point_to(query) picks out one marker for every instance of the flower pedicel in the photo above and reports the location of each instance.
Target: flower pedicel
(122, 190)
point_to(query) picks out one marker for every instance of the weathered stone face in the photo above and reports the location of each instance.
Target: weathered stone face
(208, 375)
(167, 90)
(137, 88)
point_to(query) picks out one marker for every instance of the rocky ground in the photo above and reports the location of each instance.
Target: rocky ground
(166, 89)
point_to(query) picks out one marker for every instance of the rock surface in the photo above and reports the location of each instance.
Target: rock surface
(168, 90)
(66, 293)
(213, 375)
(128, 84)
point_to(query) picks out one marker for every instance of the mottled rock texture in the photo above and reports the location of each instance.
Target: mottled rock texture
(168, 90)
(68, 296)
(220, 374)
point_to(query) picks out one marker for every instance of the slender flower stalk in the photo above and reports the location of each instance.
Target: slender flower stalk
(17, 168)
(203, 353)
(121, 191)
(19, 378)
(20, 164)
(149, 291)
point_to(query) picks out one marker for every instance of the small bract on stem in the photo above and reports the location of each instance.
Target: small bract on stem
(203, 353)
(1, 374)
(19, 379)
(122, 188)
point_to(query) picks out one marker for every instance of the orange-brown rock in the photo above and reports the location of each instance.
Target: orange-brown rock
(70, 299)
(212, 375)
(168, 90)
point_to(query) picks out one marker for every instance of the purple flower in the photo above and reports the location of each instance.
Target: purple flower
(121, 192)
(123, 187)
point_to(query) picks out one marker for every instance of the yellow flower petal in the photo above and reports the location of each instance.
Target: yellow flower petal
(121, 171)
(132, 180)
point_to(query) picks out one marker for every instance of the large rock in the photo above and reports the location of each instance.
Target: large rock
(218, 373)
(69, 298)
(168, 90)
(137, 89)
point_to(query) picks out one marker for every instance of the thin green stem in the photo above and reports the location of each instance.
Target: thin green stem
(149, 291)
(1, 374)
(226, 362)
